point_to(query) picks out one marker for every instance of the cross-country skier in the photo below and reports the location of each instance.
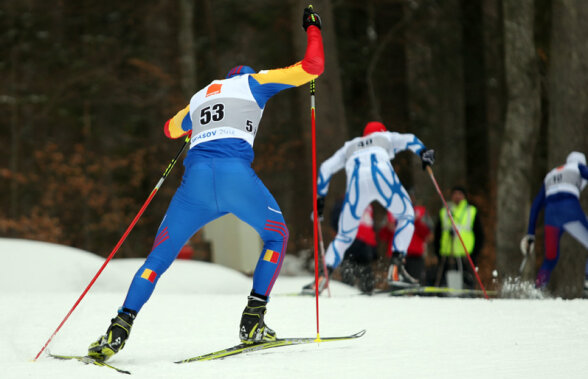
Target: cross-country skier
(560, 195)
(222, 118)
(371, 177)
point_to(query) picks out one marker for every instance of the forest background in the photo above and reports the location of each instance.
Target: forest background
(499, 88)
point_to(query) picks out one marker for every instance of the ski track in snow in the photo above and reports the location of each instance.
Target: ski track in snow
(197, 306)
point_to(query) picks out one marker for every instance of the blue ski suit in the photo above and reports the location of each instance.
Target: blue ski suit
(560, 195)
(223, 118)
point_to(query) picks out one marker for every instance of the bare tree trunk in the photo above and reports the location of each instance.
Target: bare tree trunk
(186, 47)
(568, 111)
(14, 136)
(492, 80)
(436, 91)
(476, 128)
(211, 31)
(520, 134)
(382, 44)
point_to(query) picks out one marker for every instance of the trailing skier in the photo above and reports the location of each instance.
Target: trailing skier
(560, 195)
(371, 177)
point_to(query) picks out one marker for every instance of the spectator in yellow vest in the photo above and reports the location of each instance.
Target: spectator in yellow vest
(448, 247)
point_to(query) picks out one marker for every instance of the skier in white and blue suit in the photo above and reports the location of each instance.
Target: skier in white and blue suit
(371, 177)
(560, 195)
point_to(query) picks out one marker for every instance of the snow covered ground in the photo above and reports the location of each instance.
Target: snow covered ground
(197, 306)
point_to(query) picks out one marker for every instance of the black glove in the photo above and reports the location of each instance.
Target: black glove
(320, 206)
(310, 17)
(427, 158)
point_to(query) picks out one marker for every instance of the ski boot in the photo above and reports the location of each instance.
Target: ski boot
(398, 277)
(253, 328)
(366, 279)
(349, 271)
(114, 339)
(542, 279)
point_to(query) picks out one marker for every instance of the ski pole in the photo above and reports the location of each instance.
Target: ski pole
(430, 171)
(523, 264)
(120, 242)
(322, 249)
(314, 205)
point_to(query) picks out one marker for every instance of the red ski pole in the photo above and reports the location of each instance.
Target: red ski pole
(430, 171)
(118, 245)
(322, 249)
(314, 205)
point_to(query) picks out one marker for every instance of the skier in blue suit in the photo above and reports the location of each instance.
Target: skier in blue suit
(560, 195)
(222, 119)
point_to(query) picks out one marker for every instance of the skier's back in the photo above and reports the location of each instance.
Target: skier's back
(222, 118)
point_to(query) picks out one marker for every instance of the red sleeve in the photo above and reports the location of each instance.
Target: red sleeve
(166, 129)
(314, 58)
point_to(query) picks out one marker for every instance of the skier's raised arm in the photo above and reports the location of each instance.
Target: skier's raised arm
(266, 83)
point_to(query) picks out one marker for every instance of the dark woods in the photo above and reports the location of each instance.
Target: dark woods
(498, 88)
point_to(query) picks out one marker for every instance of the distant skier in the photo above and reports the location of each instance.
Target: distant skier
(560, 195)
(371, 177)
(222, 118)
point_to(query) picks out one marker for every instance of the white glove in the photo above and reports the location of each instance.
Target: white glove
(321, 218)
(528, 244)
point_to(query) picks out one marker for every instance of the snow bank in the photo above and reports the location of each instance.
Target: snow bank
(35, 266)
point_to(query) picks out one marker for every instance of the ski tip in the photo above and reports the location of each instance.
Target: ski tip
(360, 333)
(347, 337)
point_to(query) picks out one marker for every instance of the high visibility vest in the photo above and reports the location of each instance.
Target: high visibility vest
(463, 215)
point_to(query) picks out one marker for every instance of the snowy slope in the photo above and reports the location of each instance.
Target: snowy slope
(197, 306)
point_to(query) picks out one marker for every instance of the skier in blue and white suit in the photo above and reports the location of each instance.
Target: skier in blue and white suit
(560, 195)
(371, 177)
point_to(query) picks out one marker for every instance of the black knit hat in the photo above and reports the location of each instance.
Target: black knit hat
(460, 189)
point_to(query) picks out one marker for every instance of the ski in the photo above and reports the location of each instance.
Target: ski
(430, 290)
(89, 360)
(248, 348)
